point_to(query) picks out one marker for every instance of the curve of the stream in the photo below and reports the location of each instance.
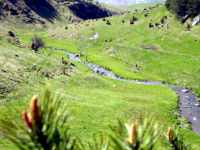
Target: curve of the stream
(189, 106)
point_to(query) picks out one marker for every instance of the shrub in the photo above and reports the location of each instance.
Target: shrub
(146, 15)
(157, 24)
(37, 43)
(108, 22)
(133, 20)
(11, 34)
(189, 26)
(151, 25)
(163, 20)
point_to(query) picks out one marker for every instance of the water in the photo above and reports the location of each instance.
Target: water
(189, 106)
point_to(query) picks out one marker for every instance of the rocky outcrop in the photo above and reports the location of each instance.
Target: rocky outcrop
(29, 11)
(87, 10)
(42, 11)
(196, 20)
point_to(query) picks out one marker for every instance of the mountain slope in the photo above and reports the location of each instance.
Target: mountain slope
(129, 2)
(136, 45)
(50, 10)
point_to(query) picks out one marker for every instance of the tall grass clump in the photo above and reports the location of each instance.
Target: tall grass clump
(44, 126)
(141, 134)
(176, 140)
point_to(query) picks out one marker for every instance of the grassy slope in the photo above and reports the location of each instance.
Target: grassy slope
(175, 60)
(97, 102)
(110, 100)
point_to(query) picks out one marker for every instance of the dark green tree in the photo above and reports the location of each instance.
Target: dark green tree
(183, 8)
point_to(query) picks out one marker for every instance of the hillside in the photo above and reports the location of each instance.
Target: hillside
(145, 45)
(130, 2)
(44, 11)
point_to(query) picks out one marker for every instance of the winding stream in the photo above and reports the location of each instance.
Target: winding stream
(189, 106)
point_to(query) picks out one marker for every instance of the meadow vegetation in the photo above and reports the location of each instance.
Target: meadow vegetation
(165, 52)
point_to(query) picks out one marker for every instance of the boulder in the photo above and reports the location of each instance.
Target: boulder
(196, 20)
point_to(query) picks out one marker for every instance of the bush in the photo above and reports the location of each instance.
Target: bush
(133, 20)
(108, 22)
(37, 43)
(151, 25)
(189, 27)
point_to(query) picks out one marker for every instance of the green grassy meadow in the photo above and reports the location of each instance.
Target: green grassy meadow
(169, 54)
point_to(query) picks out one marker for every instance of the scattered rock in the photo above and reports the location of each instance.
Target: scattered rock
(163, 20)
(34, 67)
(47, 74)
(196, 20)
(150, 47)
(137, 68)
(95, 36)
(11, 34)
(185, 90)
(151, 25)
(13, 38)
(157, 24)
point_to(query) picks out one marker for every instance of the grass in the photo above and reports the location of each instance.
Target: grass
(96, 102)
(175, 59)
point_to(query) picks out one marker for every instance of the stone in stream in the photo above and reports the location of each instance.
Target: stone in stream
(184, 90)
(194, 118)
